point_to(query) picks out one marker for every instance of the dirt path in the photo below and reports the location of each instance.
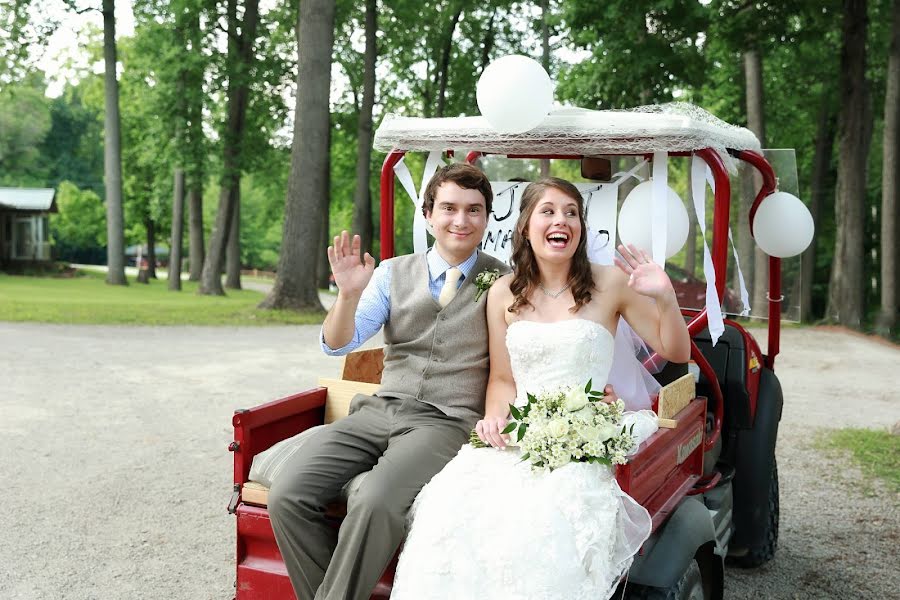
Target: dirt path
(117, 474)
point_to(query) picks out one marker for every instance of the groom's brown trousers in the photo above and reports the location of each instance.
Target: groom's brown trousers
(404, 443)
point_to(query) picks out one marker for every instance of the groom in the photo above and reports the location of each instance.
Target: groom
(432, 393)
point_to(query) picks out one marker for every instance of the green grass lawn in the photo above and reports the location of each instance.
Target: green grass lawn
(87, 299)
(877, 452)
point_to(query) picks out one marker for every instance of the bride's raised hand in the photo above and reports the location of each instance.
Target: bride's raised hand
(351, 273)
(644, 276)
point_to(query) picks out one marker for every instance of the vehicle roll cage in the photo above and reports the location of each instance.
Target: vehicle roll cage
(721, 215)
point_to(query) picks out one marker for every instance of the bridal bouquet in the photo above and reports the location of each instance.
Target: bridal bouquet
(570, 424)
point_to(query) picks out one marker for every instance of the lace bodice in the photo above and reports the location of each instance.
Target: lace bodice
(549, 355)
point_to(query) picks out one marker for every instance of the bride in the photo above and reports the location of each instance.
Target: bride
(488, 526)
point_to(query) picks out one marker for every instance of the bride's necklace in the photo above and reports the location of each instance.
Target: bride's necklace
(554, 295)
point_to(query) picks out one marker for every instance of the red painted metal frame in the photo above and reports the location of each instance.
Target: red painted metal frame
(261, 573)
(770, 183)
(259, 428)
(387, 202)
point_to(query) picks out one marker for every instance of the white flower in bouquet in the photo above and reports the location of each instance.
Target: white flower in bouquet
(591, 434)
(576, 399)
(569, 424)
(558, 428)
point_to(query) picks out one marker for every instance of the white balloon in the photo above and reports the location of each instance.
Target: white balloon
(635, 220)
(514, 94)
(783, 226)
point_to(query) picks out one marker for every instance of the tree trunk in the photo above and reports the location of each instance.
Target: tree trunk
(545, 61)
(150, 226)
(177, 232)
(323, 268)
(195, 210)
(112, 154)
(890, 184)
(195, 151)
(295, 284)
(233, 249)
(757, 124)
(362, 196)
(443, 70)
(241, 55)
(846, 286)
(818, 186)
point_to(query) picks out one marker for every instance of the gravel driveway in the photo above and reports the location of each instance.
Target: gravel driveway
(117, 475)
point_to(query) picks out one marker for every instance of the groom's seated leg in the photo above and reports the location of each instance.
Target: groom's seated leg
(311, 479)
(422, 441)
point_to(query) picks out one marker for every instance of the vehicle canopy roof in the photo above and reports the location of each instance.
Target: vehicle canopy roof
(673, 127)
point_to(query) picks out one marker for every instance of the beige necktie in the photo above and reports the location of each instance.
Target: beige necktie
(449, 290)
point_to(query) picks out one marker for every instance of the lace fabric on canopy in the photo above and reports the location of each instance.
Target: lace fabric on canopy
(672, 127)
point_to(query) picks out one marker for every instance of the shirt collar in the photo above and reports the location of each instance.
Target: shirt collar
(437, 266)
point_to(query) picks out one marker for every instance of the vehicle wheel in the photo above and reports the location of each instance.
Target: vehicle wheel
(765, 551)
(689, 587)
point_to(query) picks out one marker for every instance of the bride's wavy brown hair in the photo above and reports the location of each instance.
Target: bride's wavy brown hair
(526, 275)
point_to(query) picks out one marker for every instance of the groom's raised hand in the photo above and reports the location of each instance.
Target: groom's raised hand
(351, 272)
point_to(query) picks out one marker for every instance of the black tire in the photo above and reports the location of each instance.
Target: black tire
(688, 587)
(763, 552)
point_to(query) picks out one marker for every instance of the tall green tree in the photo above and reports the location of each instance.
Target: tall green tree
(890, 181)
(639, 54)
(295, 285)
(72, 150)
(21, 138)
(846, 290)
(241, 42)
(79, 222)
(21, 38)
(115, 220)
(362, 196)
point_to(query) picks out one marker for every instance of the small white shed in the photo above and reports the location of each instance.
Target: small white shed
(24, 223)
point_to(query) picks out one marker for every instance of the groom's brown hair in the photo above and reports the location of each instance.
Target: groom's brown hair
(464, 175)
(526, 275)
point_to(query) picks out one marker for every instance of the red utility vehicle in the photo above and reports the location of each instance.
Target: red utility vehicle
(709, 481)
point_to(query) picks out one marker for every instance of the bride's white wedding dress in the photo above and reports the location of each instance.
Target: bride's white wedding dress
(488, 527)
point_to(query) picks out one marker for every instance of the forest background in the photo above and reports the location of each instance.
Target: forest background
(242, 129)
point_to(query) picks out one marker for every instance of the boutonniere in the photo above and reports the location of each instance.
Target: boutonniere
(484, 280)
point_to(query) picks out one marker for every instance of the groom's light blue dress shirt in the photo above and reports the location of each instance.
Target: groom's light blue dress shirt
(374, 308)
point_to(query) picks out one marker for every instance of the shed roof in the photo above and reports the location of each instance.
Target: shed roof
(33, 199)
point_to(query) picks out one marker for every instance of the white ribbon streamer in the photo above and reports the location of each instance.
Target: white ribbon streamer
(658, 227)
(716, 322)
(622, 176)
(420, 224)
(405, 179)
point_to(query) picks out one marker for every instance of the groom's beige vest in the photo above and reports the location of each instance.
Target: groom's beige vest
(437, 355)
